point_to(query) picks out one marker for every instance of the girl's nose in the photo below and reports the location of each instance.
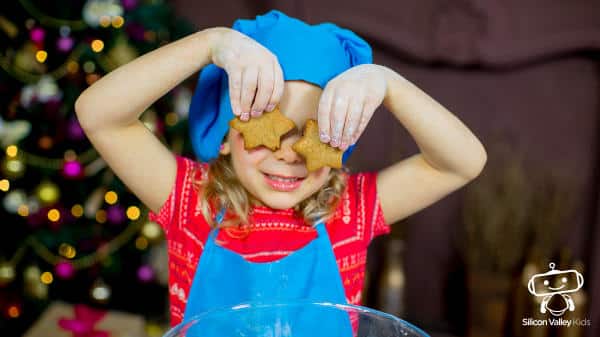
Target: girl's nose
(285, 151)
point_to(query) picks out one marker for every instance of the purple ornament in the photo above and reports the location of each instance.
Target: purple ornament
(64, 44)
(145, 273)
(129, 4)
(37, 35)
(74, 130)
(115, 214)
(135, 31)
(72, 169)
(64, 270)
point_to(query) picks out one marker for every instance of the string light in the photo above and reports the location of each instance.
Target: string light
(14, 165)
(53, 215)
(141, 243)
(67, 250)
(118, 21)
(13, 311)
(72, 67)
(111, 197)
(133, 212)
(45, 142)
(89, 67)
(151, 230)
(91, 78)
(70, 155)
(41, 56)
(4, 185)
(23, 210)
(104, 21)
(47, 277)
(101, 216)
(97, 45)
(77, 210)
(171, 118)
(12, 151)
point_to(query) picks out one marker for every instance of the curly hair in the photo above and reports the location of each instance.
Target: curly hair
(221, 188)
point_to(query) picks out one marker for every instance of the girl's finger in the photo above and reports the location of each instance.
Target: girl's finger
(278, 86)
(368, 109)
(355, 110)
(324, 113)
(338, 118)
(235, 86)
(249, 84)
(264, 92)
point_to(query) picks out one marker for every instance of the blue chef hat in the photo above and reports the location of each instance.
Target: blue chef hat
(313, 53)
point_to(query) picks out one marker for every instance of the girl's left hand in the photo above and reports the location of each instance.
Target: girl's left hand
(348, 103)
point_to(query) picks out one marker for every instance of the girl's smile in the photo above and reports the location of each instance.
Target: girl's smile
(280, 178)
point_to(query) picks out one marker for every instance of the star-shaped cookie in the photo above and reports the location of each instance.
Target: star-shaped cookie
(264, 130)
(316, 153)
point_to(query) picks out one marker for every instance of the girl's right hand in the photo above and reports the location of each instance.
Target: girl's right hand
(255, 76)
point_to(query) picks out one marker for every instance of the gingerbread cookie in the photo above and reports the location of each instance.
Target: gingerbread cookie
(264, 130)
(316, 153)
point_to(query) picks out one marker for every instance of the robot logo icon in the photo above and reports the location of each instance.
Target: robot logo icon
(554, 286)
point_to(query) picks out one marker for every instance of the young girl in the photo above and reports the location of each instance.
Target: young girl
(256, 225)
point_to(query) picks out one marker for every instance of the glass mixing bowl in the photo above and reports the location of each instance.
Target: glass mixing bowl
(296, 319)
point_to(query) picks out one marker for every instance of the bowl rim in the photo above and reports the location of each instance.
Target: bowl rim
(252, 304)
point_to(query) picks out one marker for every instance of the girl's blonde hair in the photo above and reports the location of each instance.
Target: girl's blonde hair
(221, 188)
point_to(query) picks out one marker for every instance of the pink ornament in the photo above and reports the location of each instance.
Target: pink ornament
(37, 35)
(64, 44)
(72, 169)
(64, 270)
(145, 273)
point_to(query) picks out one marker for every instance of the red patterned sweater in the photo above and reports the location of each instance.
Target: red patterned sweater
(273, 233)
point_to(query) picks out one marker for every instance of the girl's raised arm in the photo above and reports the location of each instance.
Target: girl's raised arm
(451, 155)
(109, 112)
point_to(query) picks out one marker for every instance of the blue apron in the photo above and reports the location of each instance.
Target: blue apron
(224, 279)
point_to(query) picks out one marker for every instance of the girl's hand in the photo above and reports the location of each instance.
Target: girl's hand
(348, 103)
(255, 76)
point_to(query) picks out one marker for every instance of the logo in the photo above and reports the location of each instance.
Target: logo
(554, 286)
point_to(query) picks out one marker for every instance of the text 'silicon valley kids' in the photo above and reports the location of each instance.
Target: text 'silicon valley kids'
(554, 286)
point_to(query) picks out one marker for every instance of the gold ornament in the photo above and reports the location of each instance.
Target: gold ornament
(47, 192)
(13, 168)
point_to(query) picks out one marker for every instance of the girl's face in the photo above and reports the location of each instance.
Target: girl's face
(255, 167)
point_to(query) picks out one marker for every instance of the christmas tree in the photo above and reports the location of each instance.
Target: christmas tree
(71, 230)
